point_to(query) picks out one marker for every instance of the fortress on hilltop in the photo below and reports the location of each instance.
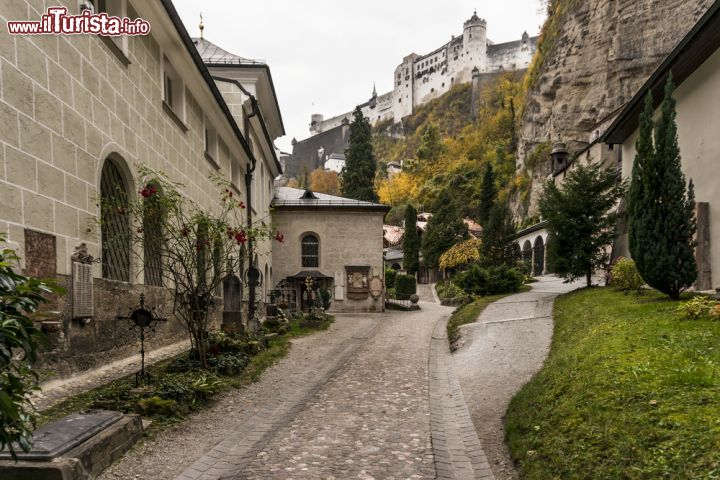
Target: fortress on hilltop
(421, 78)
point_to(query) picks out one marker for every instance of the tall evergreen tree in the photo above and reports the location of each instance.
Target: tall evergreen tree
(411, 242)
(429, 151)
(488, 192)
(445, 229)
(359, 173)
(661, 204)
(581, 219)
(498, 245)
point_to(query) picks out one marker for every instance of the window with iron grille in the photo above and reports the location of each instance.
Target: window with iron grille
(115, 224)
(152, 241)
(310, 251)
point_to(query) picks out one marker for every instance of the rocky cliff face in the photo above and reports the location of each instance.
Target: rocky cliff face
(603, 52)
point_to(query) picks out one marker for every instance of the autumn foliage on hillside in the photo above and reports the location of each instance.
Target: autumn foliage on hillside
(444, 148)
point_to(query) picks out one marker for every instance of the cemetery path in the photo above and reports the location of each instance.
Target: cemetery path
(375, 396)
(499, 354)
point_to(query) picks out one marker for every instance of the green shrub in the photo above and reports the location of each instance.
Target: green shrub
(491, 281)
(390, 274)
(505, 280)
(405, 286)
(698, 307)
(229, 363)
(158, 406)
(448, 290)
(20, 339)
(325, 298)
(625, 276)
(206, 386)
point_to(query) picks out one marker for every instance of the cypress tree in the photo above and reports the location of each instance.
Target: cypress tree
(445, 229)
(488, 193)
(359, 173)
(661, 204)
(498, 247)
(411, 242)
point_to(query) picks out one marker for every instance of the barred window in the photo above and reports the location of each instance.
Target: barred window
(310, 251)
(152, 236)
(115, 234)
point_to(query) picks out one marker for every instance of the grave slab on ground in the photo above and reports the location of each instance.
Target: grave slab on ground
(76, 447)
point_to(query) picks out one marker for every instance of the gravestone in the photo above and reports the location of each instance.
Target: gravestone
(77, 447)
(232, 304)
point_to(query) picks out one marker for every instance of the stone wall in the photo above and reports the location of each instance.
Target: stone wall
(68, 103)
(347, 238)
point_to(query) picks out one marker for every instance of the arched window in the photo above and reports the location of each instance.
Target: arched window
(310, 251)
(152, 233)
(115, 223)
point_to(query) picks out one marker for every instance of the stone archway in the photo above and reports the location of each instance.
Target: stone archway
(527, 256)
(538, 257)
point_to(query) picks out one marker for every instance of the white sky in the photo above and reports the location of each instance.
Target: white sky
(324, 55)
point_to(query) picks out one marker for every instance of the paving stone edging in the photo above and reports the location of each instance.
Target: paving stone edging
(226, 459)
(55, 391)
(457, 449)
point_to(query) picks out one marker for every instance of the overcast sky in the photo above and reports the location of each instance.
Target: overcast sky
(325, 55)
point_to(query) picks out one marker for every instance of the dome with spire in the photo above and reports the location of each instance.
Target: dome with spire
(475, 21)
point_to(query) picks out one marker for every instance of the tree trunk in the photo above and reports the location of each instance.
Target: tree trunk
(589, 277)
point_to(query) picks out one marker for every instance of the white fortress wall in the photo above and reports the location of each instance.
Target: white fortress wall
(421, 78)
(515, 55)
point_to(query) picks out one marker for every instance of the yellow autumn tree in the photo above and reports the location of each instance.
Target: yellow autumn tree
(325, 181)
(461, 254)
(398, 190)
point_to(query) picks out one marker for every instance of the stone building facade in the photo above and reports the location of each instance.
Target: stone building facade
(78, 115)
(421, 78)
(336, 241)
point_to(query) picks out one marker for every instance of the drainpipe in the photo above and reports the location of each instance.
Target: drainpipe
(252, 279)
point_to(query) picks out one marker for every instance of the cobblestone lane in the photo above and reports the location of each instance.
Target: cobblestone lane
(373, 398)
(370, 420)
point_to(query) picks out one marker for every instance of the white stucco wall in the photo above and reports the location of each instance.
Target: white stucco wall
(698, 118)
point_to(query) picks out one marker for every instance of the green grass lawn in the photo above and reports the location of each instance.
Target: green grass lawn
(630, 391)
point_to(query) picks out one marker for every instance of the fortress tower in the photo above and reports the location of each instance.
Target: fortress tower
(475, 42)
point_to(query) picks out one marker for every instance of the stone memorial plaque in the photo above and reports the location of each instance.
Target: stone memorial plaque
(54, 439)
(376, 287)
(82, 291)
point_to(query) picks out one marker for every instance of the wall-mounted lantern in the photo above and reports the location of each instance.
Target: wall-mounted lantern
(559, 156)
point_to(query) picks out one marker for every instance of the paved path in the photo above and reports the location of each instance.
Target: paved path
(458, 453)
(373, 397)
(56, 390)
(499, 354)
